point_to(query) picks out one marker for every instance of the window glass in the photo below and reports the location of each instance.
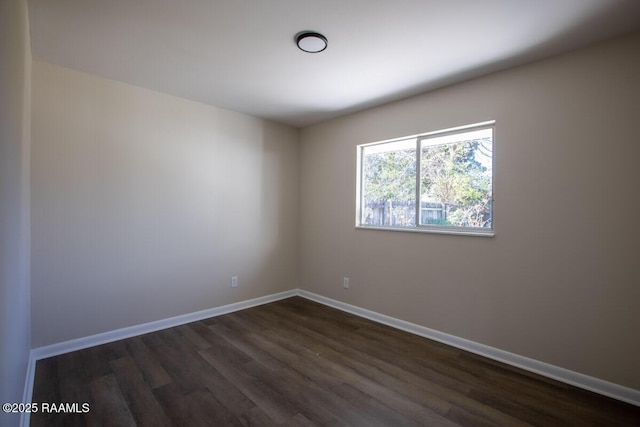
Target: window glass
(447, 187)
(456, 179)
(389, 184)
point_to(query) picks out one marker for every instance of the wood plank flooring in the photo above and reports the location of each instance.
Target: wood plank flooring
(295, 362)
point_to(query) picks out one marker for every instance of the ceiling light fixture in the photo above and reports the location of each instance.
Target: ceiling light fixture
(311, 42)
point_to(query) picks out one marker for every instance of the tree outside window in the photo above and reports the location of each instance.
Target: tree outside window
(454, 188)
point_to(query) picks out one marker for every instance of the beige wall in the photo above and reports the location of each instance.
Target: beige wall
(145, 205)
(15, 84)
(560, 280)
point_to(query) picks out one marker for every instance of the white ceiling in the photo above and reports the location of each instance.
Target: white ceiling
(240, 54)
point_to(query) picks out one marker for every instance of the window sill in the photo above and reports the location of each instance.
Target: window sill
(430, 230)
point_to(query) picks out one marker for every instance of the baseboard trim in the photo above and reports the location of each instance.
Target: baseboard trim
(28, 388)
(576, 379)
(132, 331)
(586, 382)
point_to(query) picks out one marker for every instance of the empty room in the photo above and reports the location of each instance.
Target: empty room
(358, 213)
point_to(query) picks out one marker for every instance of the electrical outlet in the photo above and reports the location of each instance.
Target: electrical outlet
(234, 282)
(345, 283)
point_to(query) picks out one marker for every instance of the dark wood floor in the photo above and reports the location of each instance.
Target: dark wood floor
(295, 362)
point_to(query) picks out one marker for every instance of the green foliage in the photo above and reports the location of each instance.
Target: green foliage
(430, 221)
(452, 174)
(390, 176)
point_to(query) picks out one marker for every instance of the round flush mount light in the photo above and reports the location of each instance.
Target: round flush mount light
(311, 42)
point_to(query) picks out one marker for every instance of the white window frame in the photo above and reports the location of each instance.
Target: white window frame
(424, 228)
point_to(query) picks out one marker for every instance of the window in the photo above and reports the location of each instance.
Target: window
(436, 182)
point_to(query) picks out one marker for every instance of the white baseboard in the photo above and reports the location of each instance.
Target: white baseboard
(145, 328)
(132, 331)
(576, 379)
(586, 382)
(28, 388)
